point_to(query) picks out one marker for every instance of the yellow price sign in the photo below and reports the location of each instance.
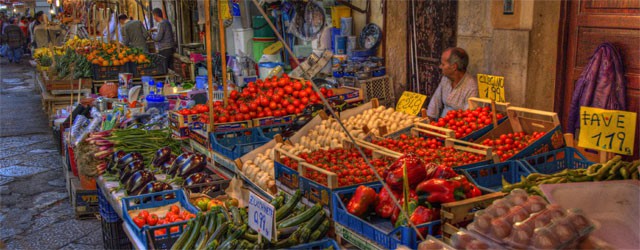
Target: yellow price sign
(607, 130)
(410, 103)
(491, 87)
(225, 11)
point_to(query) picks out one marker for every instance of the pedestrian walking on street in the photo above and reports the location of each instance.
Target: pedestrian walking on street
(164, 37)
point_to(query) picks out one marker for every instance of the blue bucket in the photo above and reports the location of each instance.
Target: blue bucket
(201, 82)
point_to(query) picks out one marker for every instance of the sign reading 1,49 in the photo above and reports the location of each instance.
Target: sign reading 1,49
(607, 130)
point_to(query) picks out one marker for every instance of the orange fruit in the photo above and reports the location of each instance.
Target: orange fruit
(105, 63)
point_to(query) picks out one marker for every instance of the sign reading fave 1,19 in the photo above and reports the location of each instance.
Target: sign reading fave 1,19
(261, 216)
(607, 130)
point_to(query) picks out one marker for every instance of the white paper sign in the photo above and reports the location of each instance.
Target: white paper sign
(261, 216)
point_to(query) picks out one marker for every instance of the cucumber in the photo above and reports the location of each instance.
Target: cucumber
(195, 233)
(305, 216)
(202, 239)
(183, 238)
(321, 231)
(283, 211)
(216, 235)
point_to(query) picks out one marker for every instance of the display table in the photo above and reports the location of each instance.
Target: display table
(116, 204)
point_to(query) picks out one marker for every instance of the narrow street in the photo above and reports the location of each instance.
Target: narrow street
(35, 209)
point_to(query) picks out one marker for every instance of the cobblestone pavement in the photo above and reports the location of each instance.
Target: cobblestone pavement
(35, 209)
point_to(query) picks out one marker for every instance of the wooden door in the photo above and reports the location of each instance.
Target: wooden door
(586, 24)
(435, 25)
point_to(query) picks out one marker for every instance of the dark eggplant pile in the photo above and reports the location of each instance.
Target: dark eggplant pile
(194, 182)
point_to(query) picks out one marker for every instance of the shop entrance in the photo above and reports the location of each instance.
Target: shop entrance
(435, 30)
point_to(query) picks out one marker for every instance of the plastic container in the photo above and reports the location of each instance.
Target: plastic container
(235, 144)
(338, 12)
(265, 68)
(113, 236)
(321, 244)
(157, 102)
(242, 39)
(489, 177)
(201, 82)
(556, 161)
(340, 45)
(259, 44)
(107, 213)
(147, 234)
(147, 81)
(261, 28)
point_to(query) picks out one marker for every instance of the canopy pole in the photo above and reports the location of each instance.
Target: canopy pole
(207, 14)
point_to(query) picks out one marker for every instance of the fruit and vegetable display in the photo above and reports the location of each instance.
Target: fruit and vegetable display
(347, 164)
(614, 169)
(508, 145)
(108, 54)
(374, 118)
(173, 214)
(429, 187)
(260, 170)
(465, 122)
(432, 243)
(431, 150)
(226, 227)
(71, 62)
(145, 142)
(521, 221)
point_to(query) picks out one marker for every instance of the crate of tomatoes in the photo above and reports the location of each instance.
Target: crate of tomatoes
(472, 123)
(158, 219)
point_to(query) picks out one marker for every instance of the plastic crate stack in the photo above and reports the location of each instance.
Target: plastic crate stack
(113, 235)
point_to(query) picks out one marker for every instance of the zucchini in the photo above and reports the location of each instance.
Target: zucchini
(245, 244)
(233, 237)
(277, 201)
(305, 216)
(195, 233)
(283, 211)
(235, 213)
(244, 214)
(213, 223)
(312, 225)
(283, 232)
(250, 237)
(216, 235)
(212, 245)
(183, 238)
(202, 239)
(321, 231)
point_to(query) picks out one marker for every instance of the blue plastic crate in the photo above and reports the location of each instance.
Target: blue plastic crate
(321, 244)
(379, 230)
(489, 177)
(235, 144)
(556, 161)
(107, 212)
(272, 130)
(159, 199)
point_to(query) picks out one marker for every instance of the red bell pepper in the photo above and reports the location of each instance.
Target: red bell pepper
(440, 191)
(398, 218)
(385, 206)
(362, 199)
(470, 190)
(415, 171)
(423, 215)
(439, 171)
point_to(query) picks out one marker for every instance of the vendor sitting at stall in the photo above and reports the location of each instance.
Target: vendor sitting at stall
(134, 34)
(455, 87)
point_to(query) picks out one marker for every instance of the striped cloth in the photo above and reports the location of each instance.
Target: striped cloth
(447, 98)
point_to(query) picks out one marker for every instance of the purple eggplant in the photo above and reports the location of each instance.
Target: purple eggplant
(162, 155)
(131, 168)
(179, 162)
(138, 180)
(197, 164)
(153, 187)
(167, 164)
(128, 158)
(196, 179)
(114, 159)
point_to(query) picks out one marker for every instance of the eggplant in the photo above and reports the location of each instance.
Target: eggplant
(131, 168)
(153, 187)
(195, 179)
(180, 161)
(167, 164)
(162, 155)
(196, 164)
(114, 159)
(138, 180)
(128, 158)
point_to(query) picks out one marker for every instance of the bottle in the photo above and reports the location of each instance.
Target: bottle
(123, 93)
(158, 89)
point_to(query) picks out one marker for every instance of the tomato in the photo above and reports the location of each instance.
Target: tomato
(273, 105)
(234, 95)
(297, 85)
(244, 109)
(160, 232)
(288, 89)
(303, 94)
(152, 220)
(139, 221)
(253, 106)
(264, 102)
(144, 214)
(291, 109)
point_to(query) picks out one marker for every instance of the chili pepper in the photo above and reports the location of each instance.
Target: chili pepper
(440, 191)
(415, 171)
(363, 198)
(439, 171)
(423, 215)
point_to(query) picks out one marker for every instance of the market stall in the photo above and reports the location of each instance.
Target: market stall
(291, 158)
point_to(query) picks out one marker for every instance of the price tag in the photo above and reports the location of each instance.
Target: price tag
(410, 103)
(261, 216)
(607, 130)
(225, 11)
(491, 87)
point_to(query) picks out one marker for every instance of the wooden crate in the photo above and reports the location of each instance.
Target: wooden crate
(456, 214)
(84, 202)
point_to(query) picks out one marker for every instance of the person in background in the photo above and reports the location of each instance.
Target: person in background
(134, 34)
(455, 87)
(115, 29)
(14, 38)
(164, 37)
(38, 20)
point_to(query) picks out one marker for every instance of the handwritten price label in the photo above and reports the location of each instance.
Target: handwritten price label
(410, 103)
(607, 130)
(261, 216)
(491, 87)
(225, 11)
